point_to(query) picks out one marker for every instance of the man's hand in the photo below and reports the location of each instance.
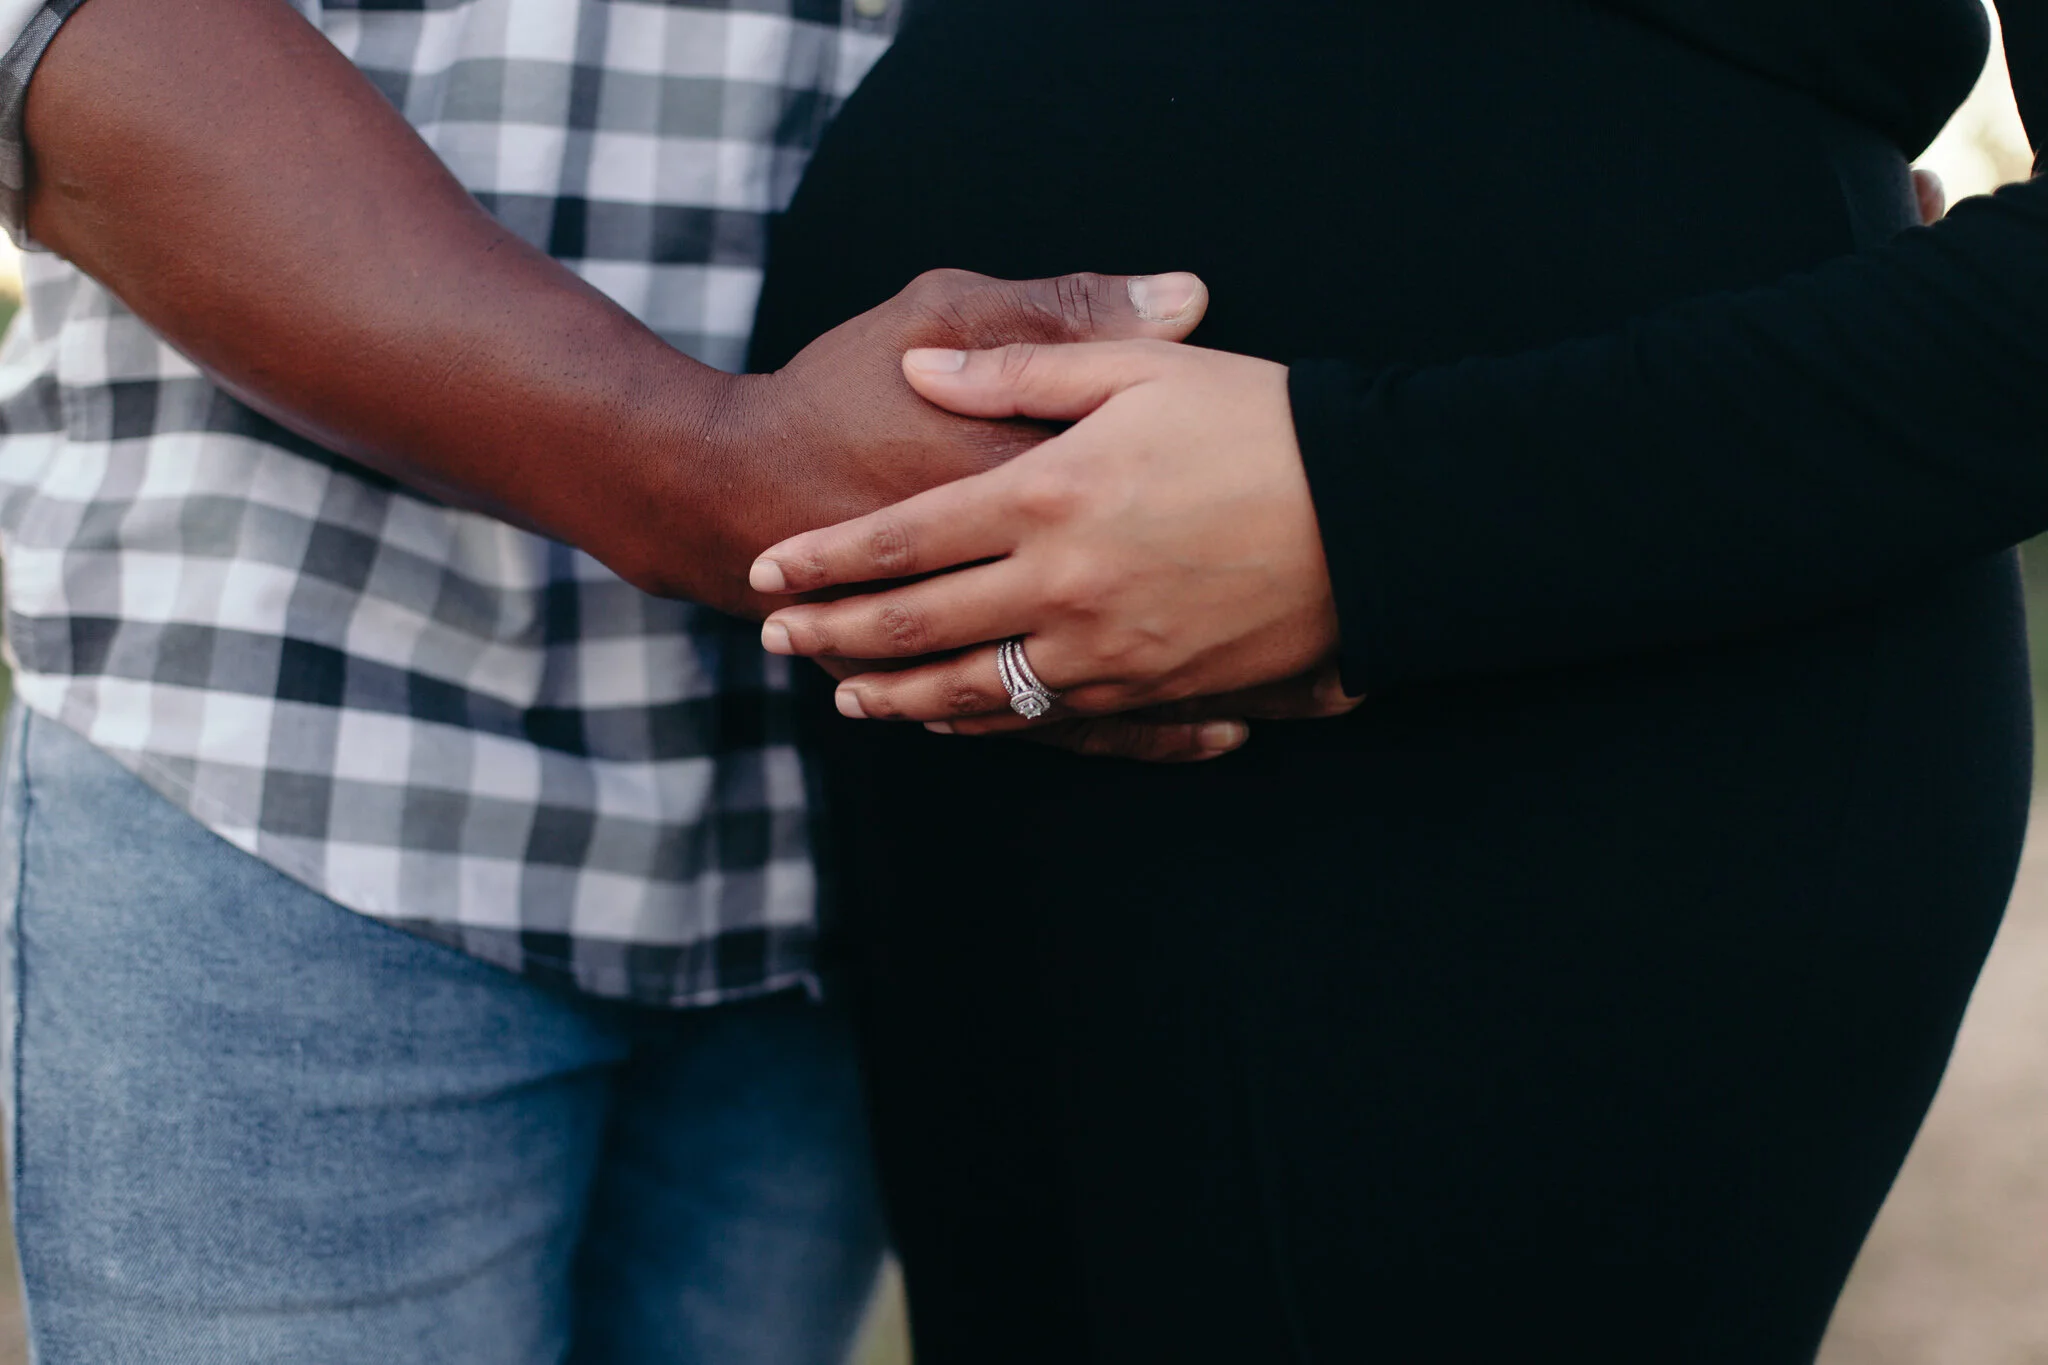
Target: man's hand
(839, 432)
(228, 175)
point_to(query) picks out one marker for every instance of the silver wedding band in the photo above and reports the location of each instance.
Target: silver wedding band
(1029, 697)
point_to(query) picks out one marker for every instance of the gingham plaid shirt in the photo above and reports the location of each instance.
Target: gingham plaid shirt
(429, 716)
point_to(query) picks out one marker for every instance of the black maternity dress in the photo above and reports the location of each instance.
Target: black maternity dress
(1579, 996)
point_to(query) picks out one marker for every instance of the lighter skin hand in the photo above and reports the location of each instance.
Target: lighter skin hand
(1165, 547)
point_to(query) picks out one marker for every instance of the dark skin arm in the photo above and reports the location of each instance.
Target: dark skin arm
(232, 178)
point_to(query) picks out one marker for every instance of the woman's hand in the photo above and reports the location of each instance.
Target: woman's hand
(1181, 731)
(1184, 732)
(1166, 547)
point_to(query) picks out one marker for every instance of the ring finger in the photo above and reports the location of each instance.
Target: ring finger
(969, 684)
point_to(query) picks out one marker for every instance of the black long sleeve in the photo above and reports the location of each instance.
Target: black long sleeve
(1724, 466)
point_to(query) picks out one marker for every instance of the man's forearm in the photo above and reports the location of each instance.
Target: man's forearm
(231, 177)
(226, 173)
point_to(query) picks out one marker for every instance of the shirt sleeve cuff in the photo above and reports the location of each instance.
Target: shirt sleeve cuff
(30, 27)
(1323, 394)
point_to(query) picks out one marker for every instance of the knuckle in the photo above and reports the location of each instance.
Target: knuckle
(1048, 495)
(881, 704)
(1119, 654)
(1116, 655)
(965, 699)
(1162, 684)
(809, 636)
(905, 628)
(890, 548)
(1030, 310)
(1080, 300)
(941, 296)
(1094, 699)
(1146, 654)
(804, 568)
(1132, 696)
(1147, 658)
(940, 284)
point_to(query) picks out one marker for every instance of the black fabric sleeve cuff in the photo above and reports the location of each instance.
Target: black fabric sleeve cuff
(1324, 395)
(1736, 463)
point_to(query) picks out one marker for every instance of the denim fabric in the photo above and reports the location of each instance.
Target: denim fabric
(247, 1125)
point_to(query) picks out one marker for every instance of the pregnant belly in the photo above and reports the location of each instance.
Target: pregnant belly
(1389, 182)
(1404, 184)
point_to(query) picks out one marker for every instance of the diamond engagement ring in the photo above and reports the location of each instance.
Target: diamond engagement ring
(1029, 697)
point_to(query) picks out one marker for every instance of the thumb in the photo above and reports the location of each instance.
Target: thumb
(1053, 383)
(1116, 307)
(975, 310)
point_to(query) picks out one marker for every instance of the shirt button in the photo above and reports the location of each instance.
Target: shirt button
(871, 9)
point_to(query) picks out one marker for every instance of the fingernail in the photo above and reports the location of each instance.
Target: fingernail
(775, 638)
(1223, 735)
(848, 704)
(936, 361)
(939, 727)
(1163, 298)
(766, 576)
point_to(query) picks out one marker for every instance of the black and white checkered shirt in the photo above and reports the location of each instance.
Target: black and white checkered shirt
(427, 715)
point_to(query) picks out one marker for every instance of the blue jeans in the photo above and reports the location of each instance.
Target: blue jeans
(247, 1125)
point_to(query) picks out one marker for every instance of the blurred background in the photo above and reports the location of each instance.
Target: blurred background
(1956, 1271)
